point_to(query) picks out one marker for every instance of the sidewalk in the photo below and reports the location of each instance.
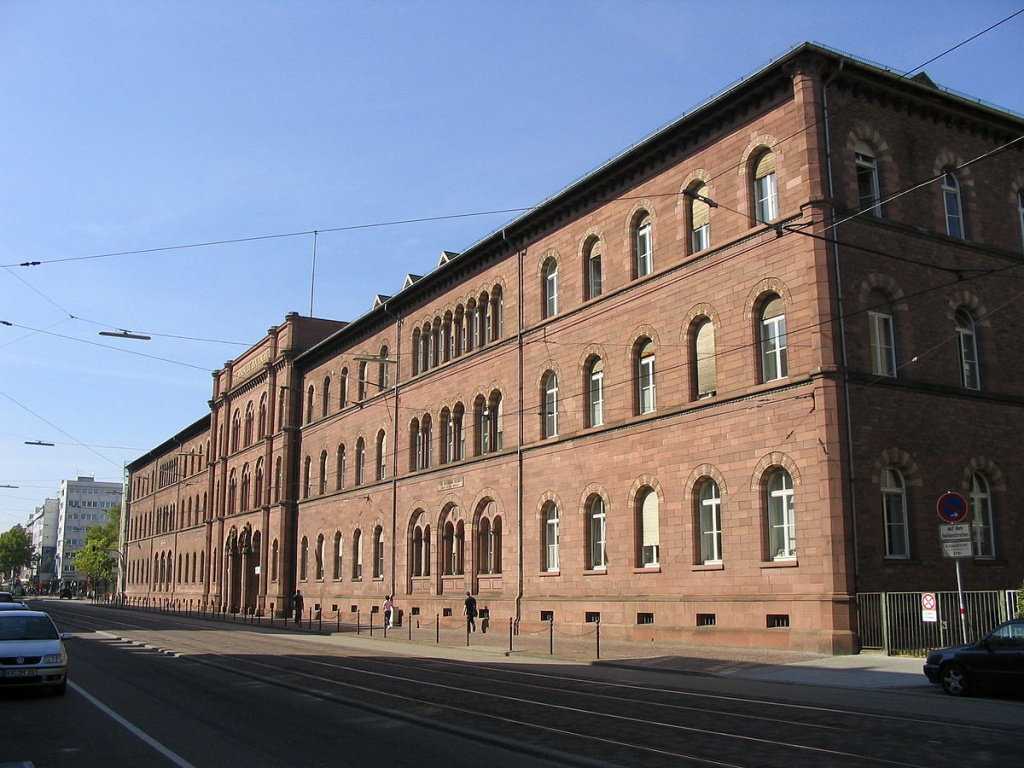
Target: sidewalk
(868, 671)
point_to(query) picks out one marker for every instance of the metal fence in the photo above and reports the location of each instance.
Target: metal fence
(894, 621)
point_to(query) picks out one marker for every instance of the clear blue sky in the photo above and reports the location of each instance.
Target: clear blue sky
(127, 126)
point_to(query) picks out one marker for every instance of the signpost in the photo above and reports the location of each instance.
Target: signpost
(955, 536)
(929, 608)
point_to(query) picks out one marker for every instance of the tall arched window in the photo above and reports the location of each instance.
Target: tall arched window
(550, 552)
(307, 477)
(357, 555)
(700, 219)
(489, 541)
(360, 461)
(774, 358)
(382, 455)
(597, 531)
(339, 468)
(868, 193)
(967, 346)
(325, 397)
(595, 392)
(883, 336)
(549, 409)
(710, 525)
(781, 513)
(246, 488)
(304, 559)
(551, 288)
(704, 367)
(339, 548)
(323, 473)
(319, 554)
(894, 511)
(952, 202)
(261, 423)
(593, 279)
(766, 189)
(643, 245)
(378, 552)
(310, 402)
(982, 526)
(646, 399)
(250, 419)
(648, 529)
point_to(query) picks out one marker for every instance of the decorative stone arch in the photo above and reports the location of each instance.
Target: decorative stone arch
(594, 489)
(484, 496)
(591, 235)
(775, 285)
(640, 206)
(542, 502)
(862, 133)
(877, 281)
(903, 461)
(757, 143)
(452, 509)
(705, 470)
(774, 459)
(973, 304)
(645, 481)
(551, 254)
(643, 331)
(450, 402)
(420, 515)
(544, 368)
(591, 351)
(703, 309)
(986, 466)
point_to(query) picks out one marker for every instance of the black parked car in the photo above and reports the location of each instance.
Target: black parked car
(995, 661)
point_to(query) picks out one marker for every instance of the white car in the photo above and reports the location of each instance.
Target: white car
(32, 652)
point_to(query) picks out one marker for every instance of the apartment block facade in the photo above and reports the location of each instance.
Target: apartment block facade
(709, 393)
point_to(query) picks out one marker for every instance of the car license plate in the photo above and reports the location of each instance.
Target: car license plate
(21, 673)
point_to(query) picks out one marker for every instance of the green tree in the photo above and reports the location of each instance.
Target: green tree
(15, 552)
(97, 558)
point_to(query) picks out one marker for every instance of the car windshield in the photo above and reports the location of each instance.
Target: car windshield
(27, 628)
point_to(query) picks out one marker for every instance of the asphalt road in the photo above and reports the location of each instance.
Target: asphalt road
(148, 689)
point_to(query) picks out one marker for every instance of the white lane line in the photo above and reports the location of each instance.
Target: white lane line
(176, 759)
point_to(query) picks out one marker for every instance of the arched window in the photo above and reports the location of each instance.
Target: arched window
(383, 375)
(645, 389)
(420, 550)
(246, 487)
(319, 554)
(357, 555)
(361, 384)
(310, 401)
(261, 423)
(278, 480)
(343, 386)
(967, 346)
(883, 337)
(378, 552)
(774, 362)
(249, 424)
(338, 550)
(304, 559)
(325, 397)
(236, 430)
(551, 288)
(550, 552)
(595, 392)
(700, 219)
(868, 193)
(323, 473)
(307, 477)
(710, 521)
(497, 312)
(781, 516)
(648, 529)
(258, 489)
(382, 455)
(275, 559)
(453, 540)
(549, 407)
(360, 461)
(952, 201)
(643, 245)
(340, 467)
(704, 363)
(981, 517)
(597, 530)
(894, 511)
(489, 541)
(593, 280)
(766, 190)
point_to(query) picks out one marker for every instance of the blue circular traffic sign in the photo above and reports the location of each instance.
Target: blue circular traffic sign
(952, 508)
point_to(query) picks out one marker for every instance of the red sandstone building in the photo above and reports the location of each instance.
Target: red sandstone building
(711, 392)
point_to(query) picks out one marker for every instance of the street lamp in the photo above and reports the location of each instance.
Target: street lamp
(125, 335)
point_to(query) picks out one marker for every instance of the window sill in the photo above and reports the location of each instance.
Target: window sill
(596, 572)
(647, 569)
(788, 563)
(715, 566)
(548, 574)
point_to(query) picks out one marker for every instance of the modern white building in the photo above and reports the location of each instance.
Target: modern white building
(82, 503)
(42, 530)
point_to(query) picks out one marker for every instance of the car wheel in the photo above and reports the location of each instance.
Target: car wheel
(61, 688)
(954, 680)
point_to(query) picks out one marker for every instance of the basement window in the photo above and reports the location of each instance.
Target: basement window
(778, 620)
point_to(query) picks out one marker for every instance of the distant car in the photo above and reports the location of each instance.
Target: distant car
(65, 593)
(32, 652)
(994, 661)
(6, 597)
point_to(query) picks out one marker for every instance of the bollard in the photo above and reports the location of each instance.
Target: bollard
(359, 629)
(551, 636)
(510, 634)
(437, 626)
(598, 630)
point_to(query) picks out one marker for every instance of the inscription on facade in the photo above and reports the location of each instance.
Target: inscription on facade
(447, 485)
(249, 368)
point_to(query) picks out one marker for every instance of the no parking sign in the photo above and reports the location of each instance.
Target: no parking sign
(929, 607)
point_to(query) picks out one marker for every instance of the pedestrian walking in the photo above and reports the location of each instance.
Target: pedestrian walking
(388, 607)
(297, 605)
(470, 612)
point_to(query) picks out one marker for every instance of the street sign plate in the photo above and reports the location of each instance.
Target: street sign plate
(952, 508)
(957, 549)
(955, 532)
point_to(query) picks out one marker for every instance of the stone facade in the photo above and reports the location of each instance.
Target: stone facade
(610, 412)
